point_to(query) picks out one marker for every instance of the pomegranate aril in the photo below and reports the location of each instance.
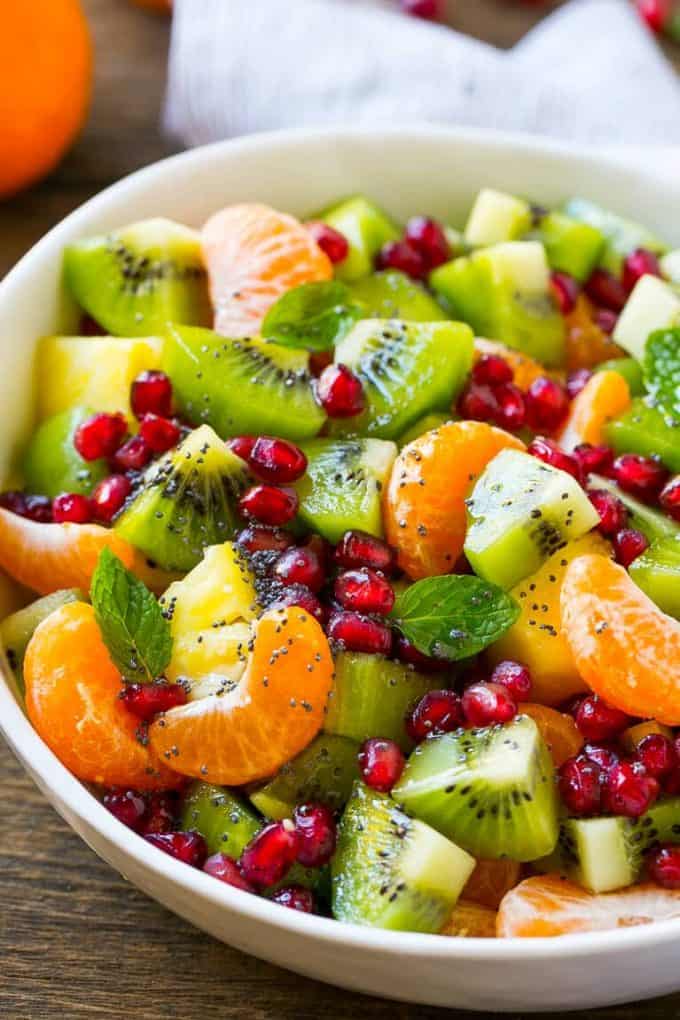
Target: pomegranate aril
(547, 404)
(428, 238)
(596, 720)
(428, 10)
(487, 703)
(669, 498)
(579, 781)
(402, 256)
(303, 598)
(613, 513)
(577, 380)
(593, 459)
(550, 453)
(147, 700)
(100, 436)
(359, 633)
(295, 897)
(643, 477)
(259, 538)
(657, 754)
(628, 791)
(663, 866)
(71, 507)
(478, 402)
(151, 393)
(299, 565)
(242, 446)
(225, 868)
(511, 414)
(109, 496)
(409, 654)
(628, 545)
(315, 826)
(359, 549)
(606, 319)
(381, 763)
(270, 854)
(515, 677)
(127, 806)
(330, 240)
(655, 13)
(15, 501)
(671, 784)
(566, 290)
(601, 754)
(436, 712)
(639, 263)
(269, 504)
(365, 591)
(188, 847)
(277, 460)
(604, 289)
(340, 392)
(132, 455)
(161, 815)
(492, 370)
(160, 434)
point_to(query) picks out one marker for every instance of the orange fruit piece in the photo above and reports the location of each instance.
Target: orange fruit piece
(424, 505)
(586, 344)
(73, 700)
(46, 61)
(490, 881)
(470, 921)
(525, 369)
(275, 711)
(604, 397)
(548, 905)
(624, 647)
(254, 254)
(558, 729)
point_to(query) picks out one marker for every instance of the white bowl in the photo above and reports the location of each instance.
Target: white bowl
(413, 170)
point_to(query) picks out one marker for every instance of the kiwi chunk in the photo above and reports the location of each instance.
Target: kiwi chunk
(622, 236)
(652, 523)
(657, 572)
(371, 696)
(520, 512)
(643, 429)
(392, 871)
(572, 246)
(406, 369)
(366, 227)
(17, 629)
(52, 464)
(342, 487)
(241, 386)
(490, 790)
(324, 772)
(425, 424)
(187, 501)
(135, 280)
(394, 295)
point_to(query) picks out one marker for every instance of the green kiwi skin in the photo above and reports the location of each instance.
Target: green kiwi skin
(241, 387)
(17, 629)
(52, 465)
(323, 772)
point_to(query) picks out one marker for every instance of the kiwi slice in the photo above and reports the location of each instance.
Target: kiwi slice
(572, 246)
(654, 525)
(406, 369)
(342, 487)
(186, 502)
(643, 429)
(324, 771)
(366, 227)
(52, 464)
(430, 421)
(17, 629)
(371, 696)
(622, 236)
(491, 790)
(241, 386)
(520, 512)
(394, 295)
(392, 871)
(135, 280)
(657, 572)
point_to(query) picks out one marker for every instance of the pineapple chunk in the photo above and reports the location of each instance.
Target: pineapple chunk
(212, 661)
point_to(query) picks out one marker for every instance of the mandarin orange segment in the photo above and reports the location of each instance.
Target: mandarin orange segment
(254, 254)
(586, 344)
(424, 507)
(624, 647)
(548, 906)
(490, 881)
(471, 921)
(275, 711)
(604, 397)
(525, 370)
(73, 700)
(558, 729)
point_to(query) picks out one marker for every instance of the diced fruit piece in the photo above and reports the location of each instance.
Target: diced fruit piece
(631, 371)
(588, 342)
(52, 464)
(135, 280)
(323, 772)
(643, 429)
(626, 650)
(489, 882)
(657, 572)
(558, 730)
(342, 488)
(226, 822)
(371, 696)
(571, 246)
(74, 371)
(424, 510)
(16, 630)
(490, 790)
(73, 701)
(241, 387)
(604, 397)
(470, 920)
(393, 295)
(522, 511)
(496, 217)
(254, 254)
(670, 265)
(653, 524)
(652, 305)
(631, 737)
(391, 871)
(366, 227)
(622, 236)
(524, 368)
(504, 293)
(187, 502)
(427, 423)
(406, 369)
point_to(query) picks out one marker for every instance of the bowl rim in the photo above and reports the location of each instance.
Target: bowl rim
(40, 761)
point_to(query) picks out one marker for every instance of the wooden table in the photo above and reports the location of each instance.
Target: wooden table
(76, 941)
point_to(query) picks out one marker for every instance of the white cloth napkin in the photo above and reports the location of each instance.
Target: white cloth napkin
(590, 71)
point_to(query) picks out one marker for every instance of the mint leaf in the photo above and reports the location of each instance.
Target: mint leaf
(661, 367)
(315, 316)
(133, 627)
(453, 616)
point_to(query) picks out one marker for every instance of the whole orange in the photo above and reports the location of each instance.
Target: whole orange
(45, 84)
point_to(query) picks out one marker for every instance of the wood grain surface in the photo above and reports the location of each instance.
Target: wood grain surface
(76, 941)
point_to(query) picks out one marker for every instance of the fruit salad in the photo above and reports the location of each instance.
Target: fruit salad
(356, 557)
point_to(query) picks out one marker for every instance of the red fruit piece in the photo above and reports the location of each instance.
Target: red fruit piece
(436, 712)
(628, 545)
(359, 633)
(663, 866)
(628, 791)
(604, 289)
(242, 446)
(492, 370)
(260, 538)
(295, 897)
(315, 826)
(277, 460)
(657, 754)
(340, 392)
(330, 240)
(428, 238)
(359, 549)
(515, 677)
(71, 506)
(486, 704)
(478, 402)
(641, 476)
(593, 459)
(428, 10)
(424, 663)
(225, 868)
(365, 591)
(613, 513)
(109, 496)
(35, 508)
(606, 319)
(269, 504)
(597, 720)
(566, 290)
(160, 434)
(402, 256)
(576, 381)
(669, 498)
(511, 414)
(147, 700)
(127, 806)
(640, 262)
(132, 455)
(602, 755)
(300, 565)
(270, 854)
(655, 13)
(550, 453)
(580, 786)
(547, 404)
(298, 595)
(151, 393)
(161, 815)
(188, 847)
(100, 436)
(381, 763)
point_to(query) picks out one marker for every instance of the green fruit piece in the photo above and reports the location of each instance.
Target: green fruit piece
(52, 464)
(631, 371)
(571, 246)
(520, 512)
(342, 487)
(371, 696)
(187, 502)
(391, 871)
(657, 572)
(135, 280)
(424, 424)
(670, 266)
(394, 295)
(17, 629)
(490, 790)
(643, 429)
(504, 293)
(226, 823)
(324, 772)
(496, 217)
(406, 370)
(653, 305)
(654, 525)
(241, 386)
(366, 228)
(622, 236)
(662, 373)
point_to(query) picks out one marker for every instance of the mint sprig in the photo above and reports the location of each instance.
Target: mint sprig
(131, 622)
(314, 316)
(453, 616)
